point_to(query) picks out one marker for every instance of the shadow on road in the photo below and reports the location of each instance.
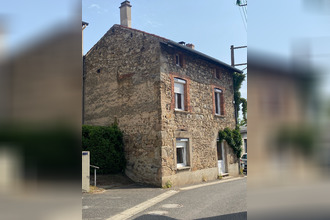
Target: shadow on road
(233, 216)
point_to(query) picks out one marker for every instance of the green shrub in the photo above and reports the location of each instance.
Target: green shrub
(233, 139)
(106, 147)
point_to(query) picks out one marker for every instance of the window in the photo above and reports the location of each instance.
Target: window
(181, 152)
(179, 87)
(218, 96)
(177, 59)
(217, 73)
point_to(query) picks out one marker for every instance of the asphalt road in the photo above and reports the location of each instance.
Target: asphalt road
(220, 201)
(223, 200)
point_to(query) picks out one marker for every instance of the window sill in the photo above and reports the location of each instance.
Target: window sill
(219, 116)
(183, 168)
(181, 111)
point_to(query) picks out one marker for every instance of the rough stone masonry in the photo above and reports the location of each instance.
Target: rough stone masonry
(129, 77)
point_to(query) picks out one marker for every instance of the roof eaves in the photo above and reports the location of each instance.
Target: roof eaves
(209, 58)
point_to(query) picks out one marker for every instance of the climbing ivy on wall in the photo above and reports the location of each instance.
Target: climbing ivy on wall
(244, 110)
(233, 139)
(238, 80)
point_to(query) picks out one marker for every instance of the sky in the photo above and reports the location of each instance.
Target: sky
(212, 26)
(296, 29)
(27, 20)
(275, 27)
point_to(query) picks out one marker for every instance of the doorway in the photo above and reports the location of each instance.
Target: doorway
(221, 157)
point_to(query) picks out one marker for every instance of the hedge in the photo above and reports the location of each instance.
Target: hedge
(106, 147)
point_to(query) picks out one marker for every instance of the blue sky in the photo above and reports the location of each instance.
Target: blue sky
(292, 29)
(27, 20)
(212, 26)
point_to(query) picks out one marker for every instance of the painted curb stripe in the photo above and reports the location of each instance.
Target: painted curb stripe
(209, 184)
(142, 206)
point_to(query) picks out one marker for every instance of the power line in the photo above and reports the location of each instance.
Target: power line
(242, 19)
(243, 11)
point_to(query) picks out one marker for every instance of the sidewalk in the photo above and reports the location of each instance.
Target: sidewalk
(120, 194)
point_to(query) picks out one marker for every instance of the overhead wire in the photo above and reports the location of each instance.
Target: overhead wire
(244, 21)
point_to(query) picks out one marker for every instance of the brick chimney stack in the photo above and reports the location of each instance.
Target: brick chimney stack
(125, 14)
(191, 46)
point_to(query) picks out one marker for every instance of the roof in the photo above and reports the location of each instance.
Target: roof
(201, 55)
(170, 43)
(272, 64)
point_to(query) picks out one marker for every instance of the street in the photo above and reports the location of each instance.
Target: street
(215, 200)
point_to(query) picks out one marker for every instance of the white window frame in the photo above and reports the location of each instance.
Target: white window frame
(181, 83)
(217, 101)
(184, 154)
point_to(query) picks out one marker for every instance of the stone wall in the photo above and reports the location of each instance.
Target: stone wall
(198, 122)
(129, 78)
(122, 83)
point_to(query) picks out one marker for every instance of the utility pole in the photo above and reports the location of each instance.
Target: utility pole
(232, 53)
(232, 48)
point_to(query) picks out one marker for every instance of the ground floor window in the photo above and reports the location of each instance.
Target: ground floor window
(181, 152)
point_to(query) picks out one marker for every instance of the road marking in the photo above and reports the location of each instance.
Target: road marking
(172, 206)
(158, 213)
(142, 206)
(209, 184)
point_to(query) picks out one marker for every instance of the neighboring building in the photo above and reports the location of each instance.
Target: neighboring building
(169, 99)
(281, 97)
(243, 131)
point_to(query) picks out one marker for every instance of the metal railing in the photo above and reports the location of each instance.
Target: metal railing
(95, 167)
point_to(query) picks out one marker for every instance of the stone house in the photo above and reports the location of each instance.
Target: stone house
(169, 99)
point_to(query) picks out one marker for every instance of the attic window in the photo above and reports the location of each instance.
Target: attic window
(179, 60)
(217, 73)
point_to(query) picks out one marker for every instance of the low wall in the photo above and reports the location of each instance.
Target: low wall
(186, 177)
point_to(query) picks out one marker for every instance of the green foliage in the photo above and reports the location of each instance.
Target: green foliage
(238, 80)
(41, 147)
(244, 110)
(106, 147)
(168, 184)
(301, 138)
(233, 139)
(219, 176)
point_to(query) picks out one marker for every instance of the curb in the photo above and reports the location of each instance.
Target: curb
(211, 183)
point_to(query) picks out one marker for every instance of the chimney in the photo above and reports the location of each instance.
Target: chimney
(125, 14)
(191, 46)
